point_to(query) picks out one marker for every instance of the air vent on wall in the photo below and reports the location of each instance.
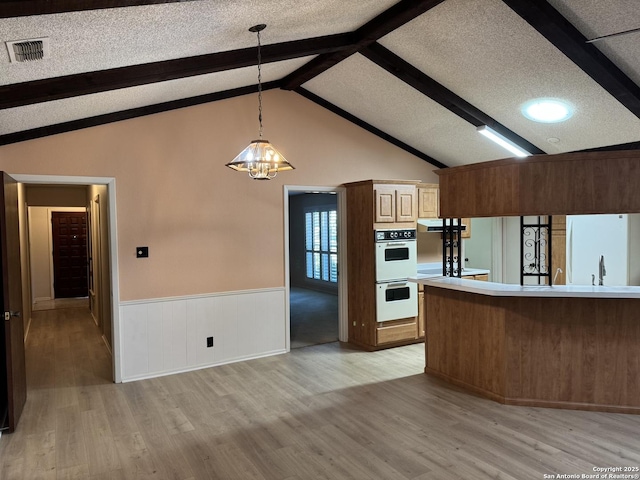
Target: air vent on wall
(28, 50)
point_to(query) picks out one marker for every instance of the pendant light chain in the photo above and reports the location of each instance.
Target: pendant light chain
(259, 86)
(260, 159)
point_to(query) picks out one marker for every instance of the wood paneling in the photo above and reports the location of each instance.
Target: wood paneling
(361, 264)
(564, 184)
(559, 249)
(170, 335)
(577, 353)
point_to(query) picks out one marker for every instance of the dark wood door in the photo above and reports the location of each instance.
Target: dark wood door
(14, 388)
(69, 232)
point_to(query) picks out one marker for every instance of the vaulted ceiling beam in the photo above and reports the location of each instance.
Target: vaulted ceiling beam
(392, 18)
(19, 94)
(25, 8)
(367, 126)
(131, 113)
(568, 39)
(415, 78)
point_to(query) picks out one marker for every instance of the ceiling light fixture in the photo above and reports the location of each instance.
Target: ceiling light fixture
(547, 110)
(260, 158)
(503, 141)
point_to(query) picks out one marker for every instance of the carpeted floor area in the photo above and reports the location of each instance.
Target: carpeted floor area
(314, 317)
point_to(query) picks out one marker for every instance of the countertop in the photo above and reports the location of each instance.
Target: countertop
(434, 270)
(511, 290)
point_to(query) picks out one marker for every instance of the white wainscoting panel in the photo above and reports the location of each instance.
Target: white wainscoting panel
(163, 336)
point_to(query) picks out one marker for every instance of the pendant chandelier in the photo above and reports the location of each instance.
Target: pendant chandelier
(260, 158)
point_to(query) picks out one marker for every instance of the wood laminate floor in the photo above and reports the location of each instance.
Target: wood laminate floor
(322, 412)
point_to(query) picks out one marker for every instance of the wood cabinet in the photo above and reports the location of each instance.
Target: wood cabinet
(421, 319)
(576, 183)
(371, 205)
(395, 203)
(428, 200)
(467, 232)
(559, 249)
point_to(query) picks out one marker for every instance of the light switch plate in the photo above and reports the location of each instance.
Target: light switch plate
(142, 252)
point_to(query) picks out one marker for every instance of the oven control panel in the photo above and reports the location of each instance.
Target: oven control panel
(391, 235)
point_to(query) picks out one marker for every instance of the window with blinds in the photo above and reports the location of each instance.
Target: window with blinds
(321, 245)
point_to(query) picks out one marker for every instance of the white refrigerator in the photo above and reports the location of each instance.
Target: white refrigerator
(615, 237)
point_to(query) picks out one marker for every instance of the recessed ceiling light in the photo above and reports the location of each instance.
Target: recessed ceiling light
(547, 110)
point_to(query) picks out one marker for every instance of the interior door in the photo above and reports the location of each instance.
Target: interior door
(14, 374)
(69, 234)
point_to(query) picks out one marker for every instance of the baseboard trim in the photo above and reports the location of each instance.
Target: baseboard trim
(104, 339)
(135, 378)
(534, 402)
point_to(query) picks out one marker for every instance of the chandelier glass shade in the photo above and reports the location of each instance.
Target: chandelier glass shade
(260, 158)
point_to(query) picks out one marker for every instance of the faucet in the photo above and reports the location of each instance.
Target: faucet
(559, 270)
(601, 270)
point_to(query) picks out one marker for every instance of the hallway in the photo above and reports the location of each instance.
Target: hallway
(67, 362)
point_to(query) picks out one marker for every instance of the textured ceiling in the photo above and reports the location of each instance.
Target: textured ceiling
(485, 52)
(101, 39)
(481, 51)
(595, 18)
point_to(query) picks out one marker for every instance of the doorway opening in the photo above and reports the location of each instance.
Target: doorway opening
(314, 258)
(89, 204)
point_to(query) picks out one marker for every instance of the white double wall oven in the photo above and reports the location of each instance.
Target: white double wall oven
(396, 261)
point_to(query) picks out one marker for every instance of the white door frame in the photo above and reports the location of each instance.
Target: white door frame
(343, 321)
(113, 247)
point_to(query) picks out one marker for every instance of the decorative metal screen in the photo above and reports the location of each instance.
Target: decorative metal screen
(535, 249)
(451, 247)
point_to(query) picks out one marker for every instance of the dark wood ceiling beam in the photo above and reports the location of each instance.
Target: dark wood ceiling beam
(19, 94)
(25, 8)
(391, 19)
(614, 148)
(367, 126)
(415, 78)
(132, 113)
(568, 39)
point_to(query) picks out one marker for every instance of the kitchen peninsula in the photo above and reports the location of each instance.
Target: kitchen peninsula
(574, 347)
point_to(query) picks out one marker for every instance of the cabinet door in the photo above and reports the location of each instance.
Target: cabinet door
(406, 203)
(482, 278)
(428, 202)
(385, 203)
(467, 232)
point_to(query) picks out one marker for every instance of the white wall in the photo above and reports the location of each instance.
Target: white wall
(478, 249)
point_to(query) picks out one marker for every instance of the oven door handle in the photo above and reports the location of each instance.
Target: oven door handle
(396, 244)
(397, 284)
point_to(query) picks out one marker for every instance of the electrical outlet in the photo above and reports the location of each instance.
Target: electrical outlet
(209, 342)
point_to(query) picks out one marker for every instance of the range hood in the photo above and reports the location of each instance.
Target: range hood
(435, 225)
